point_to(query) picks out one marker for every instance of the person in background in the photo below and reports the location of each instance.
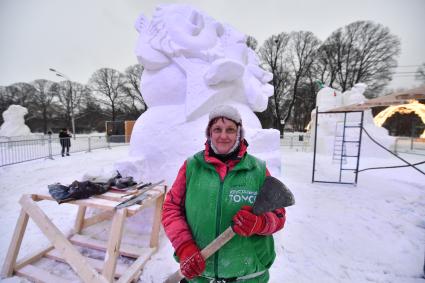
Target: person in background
(65, 141)
(216, 188)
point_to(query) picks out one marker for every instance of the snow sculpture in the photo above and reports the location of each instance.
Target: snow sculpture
(354, 95)
(14, 122)
(192, 64)
(380, 134)
(327, 99)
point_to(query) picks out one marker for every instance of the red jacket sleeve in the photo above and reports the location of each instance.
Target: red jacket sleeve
(174, 213)
(274, 220)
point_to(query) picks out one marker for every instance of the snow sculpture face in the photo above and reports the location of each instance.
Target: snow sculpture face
(188, 31)
(192, 59)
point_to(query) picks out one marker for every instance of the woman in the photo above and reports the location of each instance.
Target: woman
(214, 189)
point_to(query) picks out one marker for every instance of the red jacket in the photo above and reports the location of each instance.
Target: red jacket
(173, 213)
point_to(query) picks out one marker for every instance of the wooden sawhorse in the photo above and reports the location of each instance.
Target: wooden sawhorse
(62, 247)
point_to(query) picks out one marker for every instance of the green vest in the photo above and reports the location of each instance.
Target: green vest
(210, 205)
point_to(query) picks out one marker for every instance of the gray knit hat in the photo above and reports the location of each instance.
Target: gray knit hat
(226, 111)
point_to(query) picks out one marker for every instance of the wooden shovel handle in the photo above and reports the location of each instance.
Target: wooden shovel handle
(218, 242)
(209, 250)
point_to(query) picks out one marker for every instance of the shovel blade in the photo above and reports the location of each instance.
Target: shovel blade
(273, 194)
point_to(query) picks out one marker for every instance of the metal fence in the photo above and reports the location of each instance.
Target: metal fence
(296, 140)
(17, 151)
(409, 145)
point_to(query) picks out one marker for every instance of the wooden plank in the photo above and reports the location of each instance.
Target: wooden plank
(89, 202)
(135, 268)
(15, 245)
(72, 256)
(156, 226)
(39, 197)
(114, 243)
(112, 196)
(107, 204)
(105, 215)
(125, 249)
(33, 257)
(36, 274)
(96, 203)
(134, 209)
(79, 220)
(96, 263)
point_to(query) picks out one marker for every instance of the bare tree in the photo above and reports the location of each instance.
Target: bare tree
(362, 51)
(301, 114)
(21, 93)
(131, 88)
(91, 115)
(5, 101)
(326, 67)
(45, 92)
(108, 84)
(420, 73)
(301, 56)
(70, 96)
(272, 57)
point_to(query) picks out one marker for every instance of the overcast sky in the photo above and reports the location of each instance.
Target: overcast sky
(80, 36)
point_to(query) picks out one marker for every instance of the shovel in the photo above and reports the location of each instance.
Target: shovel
(273, 194)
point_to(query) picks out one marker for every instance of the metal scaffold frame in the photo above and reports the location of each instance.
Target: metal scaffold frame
(342, 153)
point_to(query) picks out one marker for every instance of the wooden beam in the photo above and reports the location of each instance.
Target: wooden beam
(156, 226)
(72, 256)
(37, 274)
(114, 243)
(79, 220)
(104, 215)
(135, 268)
(33, 257)
(40, 197)
(15, 245)
(96, 263)
(113, 196)
(125, 249)
(89, 202)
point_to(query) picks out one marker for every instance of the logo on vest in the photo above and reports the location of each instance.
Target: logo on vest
(241, 195)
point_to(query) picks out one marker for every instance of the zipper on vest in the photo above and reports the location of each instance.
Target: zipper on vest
(217, 226)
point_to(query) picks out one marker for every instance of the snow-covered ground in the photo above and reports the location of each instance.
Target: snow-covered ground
(372, 232)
